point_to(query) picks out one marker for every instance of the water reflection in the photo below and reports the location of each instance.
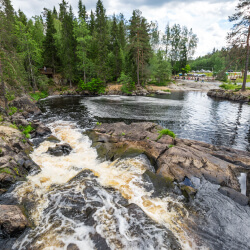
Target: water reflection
(191, 115)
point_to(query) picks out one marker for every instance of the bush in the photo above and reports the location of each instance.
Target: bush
(26, 130)
(95, 86)
(166, 132)
(39, 95)
(127, 84)
(230, 86)
(9, 96)
(13, 110)
(222, 76)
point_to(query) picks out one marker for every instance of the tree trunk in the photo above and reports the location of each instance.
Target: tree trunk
(70, 83)
(3, 89)
(247, 61)
(138, 68)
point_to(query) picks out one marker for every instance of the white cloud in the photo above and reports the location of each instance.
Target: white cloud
(207, 18)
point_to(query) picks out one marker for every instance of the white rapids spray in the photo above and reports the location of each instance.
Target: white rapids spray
(49, 188)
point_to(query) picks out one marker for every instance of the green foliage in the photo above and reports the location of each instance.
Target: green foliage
(166, 132)
(186, 69)
(39, 95)
(170, 146)
(98, 123)
(123, 134)
(95, 86)
(10, 96)
(1, 118)
(13, 110)
(166, 90)
(5, 170)
(13, 126)
(26, 130)
(160, 84)
(230, 86)
(127, 84)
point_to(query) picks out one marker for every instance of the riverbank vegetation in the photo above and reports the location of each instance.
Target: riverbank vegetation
(88, 48)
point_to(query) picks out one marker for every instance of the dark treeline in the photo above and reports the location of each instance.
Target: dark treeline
(88, 46)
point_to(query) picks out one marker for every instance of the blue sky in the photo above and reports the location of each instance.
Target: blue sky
(207, 18)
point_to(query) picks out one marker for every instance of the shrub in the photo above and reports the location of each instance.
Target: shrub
(9, 96)
(13, 110)
(95, 86)
(13, 126)
(230, 86)
(127, 84)
(166, 132)
(39, 95)
(26, 130)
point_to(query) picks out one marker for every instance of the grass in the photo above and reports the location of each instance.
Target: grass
(13, 110)
(26, 130)
(166, 90)
(123, 134)
(39, 95)
(170, 146)
(98, 123)
(229, 86)
(166, 132)
(13, 126)
(5, 170)
(160, 84)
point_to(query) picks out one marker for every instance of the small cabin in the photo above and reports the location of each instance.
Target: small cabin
(47, 71)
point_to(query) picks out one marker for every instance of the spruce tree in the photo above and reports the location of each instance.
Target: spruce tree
(240, 34)
(50, 55)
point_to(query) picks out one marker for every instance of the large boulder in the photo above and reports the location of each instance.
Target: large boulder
(174, 159)
(60, 149)
(12, 220)
(24, 103)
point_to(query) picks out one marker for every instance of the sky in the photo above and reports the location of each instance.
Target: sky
(207, 18)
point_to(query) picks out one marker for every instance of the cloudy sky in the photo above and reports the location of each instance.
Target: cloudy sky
(208, 18)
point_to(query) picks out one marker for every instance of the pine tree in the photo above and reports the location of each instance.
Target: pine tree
(68, 43)
(139, 46)
(50, 54)
(101, 38)
(82, 13)
(240, 34)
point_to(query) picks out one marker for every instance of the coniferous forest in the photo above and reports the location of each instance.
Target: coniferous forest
(88, 50)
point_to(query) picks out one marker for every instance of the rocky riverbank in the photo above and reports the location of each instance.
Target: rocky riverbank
(175, 160)
(15, 163)
(230, 95)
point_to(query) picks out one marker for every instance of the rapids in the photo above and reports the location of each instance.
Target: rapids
(80, 201)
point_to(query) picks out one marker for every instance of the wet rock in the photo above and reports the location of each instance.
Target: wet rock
(12, 220)
(234, 195)
(99, 241)
(6, 180)
(158, 183)
(2, 191)
(188, 192)
(40, 130)
(60, 149)
(52, 138)
(72, 246)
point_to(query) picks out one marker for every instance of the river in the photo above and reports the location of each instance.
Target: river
(80, 202)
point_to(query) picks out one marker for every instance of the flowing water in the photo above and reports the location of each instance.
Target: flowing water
(79, 200)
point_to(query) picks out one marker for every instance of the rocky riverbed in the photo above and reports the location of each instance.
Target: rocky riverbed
(15, 162)
(177, 160)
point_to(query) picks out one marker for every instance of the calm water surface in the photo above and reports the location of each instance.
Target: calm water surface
(191, 115)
